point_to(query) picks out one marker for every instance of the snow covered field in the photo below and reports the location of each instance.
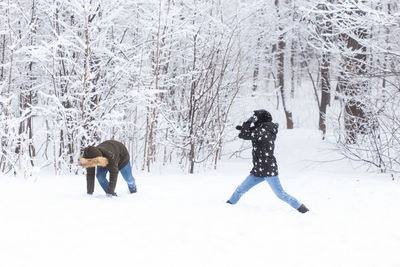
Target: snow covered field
(183, 220)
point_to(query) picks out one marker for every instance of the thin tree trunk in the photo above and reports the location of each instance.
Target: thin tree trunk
(293, 69)
(192, 111)
(4, 138)
(31, 95)
(85, 67)
(3, 58)
(256, 65)
(153, 123)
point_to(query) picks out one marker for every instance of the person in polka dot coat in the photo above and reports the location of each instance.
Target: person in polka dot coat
(265, 168)
(262, 136)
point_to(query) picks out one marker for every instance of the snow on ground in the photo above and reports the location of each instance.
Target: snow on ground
(183, 220)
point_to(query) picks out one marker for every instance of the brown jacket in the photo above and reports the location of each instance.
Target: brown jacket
(114, 156)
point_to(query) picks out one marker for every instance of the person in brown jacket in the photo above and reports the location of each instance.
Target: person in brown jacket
(110, 156)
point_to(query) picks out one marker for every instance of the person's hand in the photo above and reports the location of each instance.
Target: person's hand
(252, 119)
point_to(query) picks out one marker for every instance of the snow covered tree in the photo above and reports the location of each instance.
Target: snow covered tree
(162, 76)
(362, 28)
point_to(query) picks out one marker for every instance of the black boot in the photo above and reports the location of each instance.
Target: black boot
(133, 190)
(229, 202)
(302, 209)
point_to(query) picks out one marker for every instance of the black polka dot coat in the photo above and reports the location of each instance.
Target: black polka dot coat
(263, 137)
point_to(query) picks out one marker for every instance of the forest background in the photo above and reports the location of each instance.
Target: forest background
(171, 78)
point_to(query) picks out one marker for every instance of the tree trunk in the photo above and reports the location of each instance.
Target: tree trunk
(4, 141)
(325, 30)
(325, 92)
(257, 65)
(354, 114)
(31, 94)
(281, 73)
(3, 58)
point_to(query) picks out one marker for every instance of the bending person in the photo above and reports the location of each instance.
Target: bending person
(110, 156)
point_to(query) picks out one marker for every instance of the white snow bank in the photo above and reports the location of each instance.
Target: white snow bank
(183, 220)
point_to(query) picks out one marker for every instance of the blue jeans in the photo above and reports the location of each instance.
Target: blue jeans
(101, 173)
(273, 182)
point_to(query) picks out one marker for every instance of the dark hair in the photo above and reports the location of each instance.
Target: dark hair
(91, 152)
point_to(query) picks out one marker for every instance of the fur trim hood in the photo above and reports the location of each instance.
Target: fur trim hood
(93, 162)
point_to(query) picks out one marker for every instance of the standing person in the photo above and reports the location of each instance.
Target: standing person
(110, 156)
(265, 168)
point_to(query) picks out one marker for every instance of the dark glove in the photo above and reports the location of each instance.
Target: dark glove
(239, 127)
(252, 119)
(246, 125)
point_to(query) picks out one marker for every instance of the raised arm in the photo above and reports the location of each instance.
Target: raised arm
(246, 131)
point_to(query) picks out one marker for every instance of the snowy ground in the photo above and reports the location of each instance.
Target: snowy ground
(178, 220)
